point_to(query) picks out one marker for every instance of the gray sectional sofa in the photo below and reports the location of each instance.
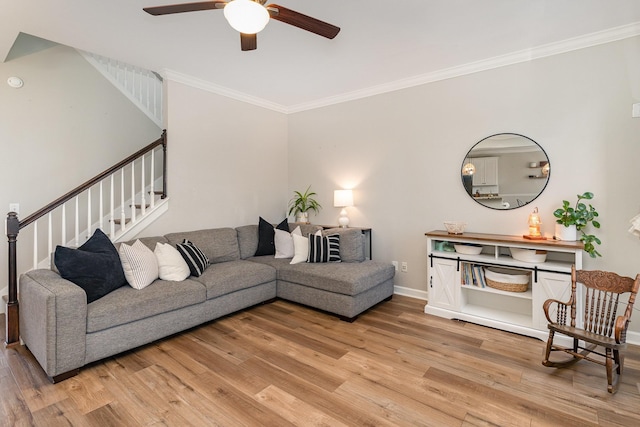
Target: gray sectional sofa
(65, 333)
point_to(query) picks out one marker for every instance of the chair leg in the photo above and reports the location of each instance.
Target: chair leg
(609, 366)
(545, 361)
(619, 359)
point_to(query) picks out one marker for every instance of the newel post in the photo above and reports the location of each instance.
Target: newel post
(12, 336)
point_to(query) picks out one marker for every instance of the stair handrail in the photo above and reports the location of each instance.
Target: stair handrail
(14, 225)
(90, 183)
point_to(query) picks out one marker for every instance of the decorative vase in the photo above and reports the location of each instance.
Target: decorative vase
(567, 233)
(303, 217)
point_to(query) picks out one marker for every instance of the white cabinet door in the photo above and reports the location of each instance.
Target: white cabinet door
(491, 171)
(486, 171)
(444, 284)
(549, 286)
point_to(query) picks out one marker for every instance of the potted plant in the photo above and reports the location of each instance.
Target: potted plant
(578, 218)
(301, 203)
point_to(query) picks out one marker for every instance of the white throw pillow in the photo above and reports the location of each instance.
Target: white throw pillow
(284, 242)
(171, 265)
(139, 264)
(301, 246)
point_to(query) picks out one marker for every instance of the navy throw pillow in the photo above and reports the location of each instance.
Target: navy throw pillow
(95, 266)
(266, 236)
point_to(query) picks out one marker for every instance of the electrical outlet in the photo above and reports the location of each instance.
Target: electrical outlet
(395, 264)
(405, 267)
(14, 207)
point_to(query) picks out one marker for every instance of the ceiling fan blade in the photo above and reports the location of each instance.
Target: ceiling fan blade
(184, 7)
(305, 22)
(248, 41)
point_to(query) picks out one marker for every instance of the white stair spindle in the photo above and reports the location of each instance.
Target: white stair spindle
(112, 225)
(133, 192)
(123, 216)
(88, 212)
(50, 237)
(143, 199)
(152, 193)
(63, 226)
(77, 223)
(101, 210)
(35, 245)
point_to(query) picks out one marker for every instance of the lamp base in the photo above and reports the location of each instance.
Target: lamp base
(344, 219)
(526, 236)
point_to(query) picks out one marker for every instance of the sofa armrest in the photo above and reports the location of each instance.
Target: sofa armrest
(53, 321)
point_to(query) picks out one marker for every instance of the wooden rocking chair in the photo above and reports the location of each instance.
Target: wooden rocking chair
(599, 322)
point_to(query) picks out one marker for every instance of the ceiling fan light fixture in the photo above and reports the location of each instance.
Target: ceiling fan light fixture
(246, 16)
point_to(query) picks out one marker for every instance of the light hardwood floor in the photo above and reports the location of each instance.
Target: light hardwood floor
(282, 364)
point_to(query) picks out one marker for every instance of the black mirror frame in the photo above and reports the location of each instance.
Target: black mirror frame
(464, 160)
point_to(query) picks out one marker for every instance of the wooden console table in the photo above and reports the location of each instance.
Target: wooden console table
(452, 294)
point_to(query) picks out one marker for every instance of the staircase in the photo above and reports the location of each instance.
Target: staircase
(121, 201)
(141, 86)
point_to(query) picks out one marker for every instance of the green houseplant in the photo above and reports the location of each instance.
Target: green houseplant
(580, 216)
(301, 203)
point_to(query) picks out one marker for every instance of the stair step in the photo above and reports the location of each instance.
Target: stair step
(139, 206)
(119, 221)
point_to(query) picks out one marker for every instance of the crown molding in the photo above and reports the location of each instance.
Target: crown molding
(221, 90)
(525, 55)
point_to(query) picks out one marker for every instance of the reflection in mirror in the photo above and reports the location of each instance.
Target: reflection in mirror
(505, 171)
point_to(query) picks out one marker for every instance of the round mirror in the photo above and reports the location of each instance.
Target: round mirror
(505, 171)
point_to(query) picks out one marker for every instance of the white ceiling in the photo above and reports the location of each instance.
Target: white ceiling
(382, 44)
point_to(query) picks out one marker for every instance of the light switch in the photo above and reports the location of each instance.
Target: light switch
(635, 110)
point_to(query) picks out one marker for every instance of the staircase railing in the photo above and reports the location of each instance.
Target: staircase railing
(142, 87)
(122, 178)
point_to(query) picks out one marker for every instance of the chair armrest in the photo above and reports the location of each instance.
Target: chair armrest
(620, 329)
(561, 306)
(53, 320)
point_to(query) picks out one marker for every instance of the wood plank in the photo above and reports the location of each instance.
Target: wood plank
(286, 364)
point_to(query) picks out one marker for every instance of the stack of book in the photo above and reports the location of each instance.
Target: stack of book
(473, 275)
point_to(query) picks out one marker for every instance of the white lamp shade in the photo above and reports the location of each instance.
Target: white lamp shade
(246, 16)
(342, 198)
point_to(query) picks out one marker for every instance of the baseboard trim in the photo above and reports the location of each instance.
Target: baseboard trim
(633, 338)
(410, 292)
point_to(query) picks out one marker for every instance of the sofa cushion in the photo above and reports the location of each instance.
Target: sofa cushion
(351, 243)
(324, 248)
(218, 244)
(126, 304)
(224, 278)
(95, 266)
(139, 264)
(344, 278)
(247, 240)
(193, 256)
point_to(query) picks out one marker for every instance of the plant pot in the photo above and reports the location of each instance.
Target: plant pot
(302, 217)
(569, 234)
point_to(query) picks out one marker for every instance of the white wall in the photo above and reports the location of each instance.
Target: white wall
(402, 152)
(227, 162)
(64, 126)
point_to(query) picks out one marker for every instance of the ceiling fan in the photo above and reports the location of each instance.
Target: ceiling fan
(249, 17)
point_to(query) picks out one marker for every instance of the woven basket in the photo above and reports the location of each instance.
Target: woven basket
(506, 281)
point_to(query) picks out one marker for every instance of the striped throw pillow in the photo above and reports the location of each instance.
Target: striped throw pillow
(139, 264)
(324, 249)
(193, 255)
